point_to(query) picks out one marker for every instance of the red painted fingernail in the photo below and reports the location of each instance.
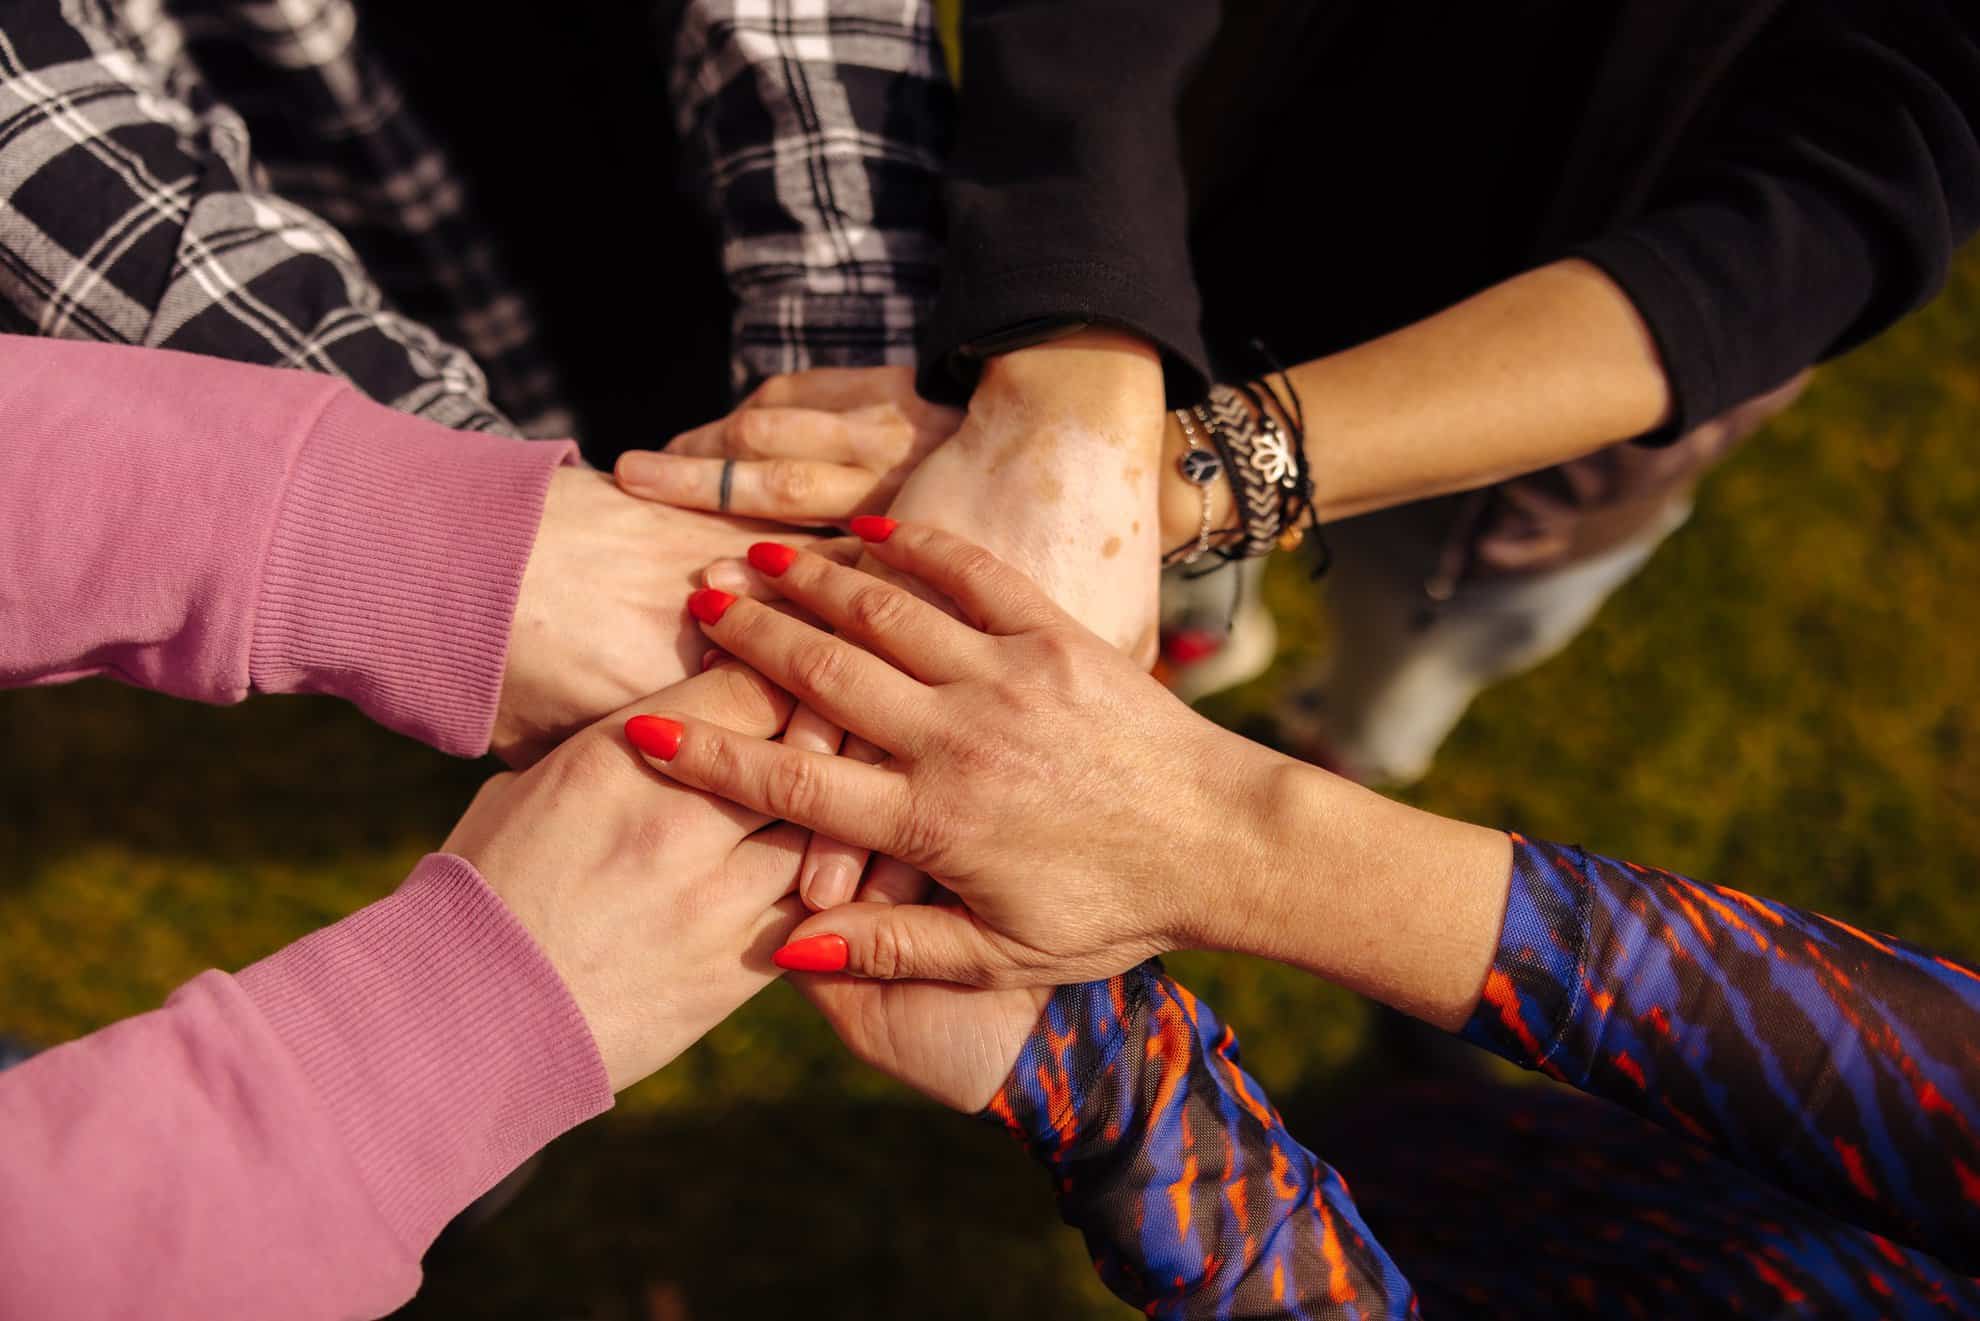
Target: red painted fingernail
(1190, 645)
(711, 658)
(772, 557)
(709, 604)
(873, 527)
(656, 736)
(813, 954)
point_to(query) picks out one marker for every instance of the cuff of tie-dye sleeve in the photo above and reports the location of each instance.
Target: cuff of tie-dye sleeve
(1067, 1083)
(1534, 987)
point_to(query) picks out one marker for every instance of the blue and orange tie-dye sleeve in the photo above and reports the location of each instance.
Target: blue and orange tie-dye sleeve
(1194, 1199)
(1839, 1064)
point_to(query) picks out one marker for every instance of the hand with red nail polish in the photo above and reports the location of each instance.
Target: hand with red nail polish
(656, 736)
(813, 954)
(661, 908)
(709, 604)
(1026, 765)
(600, 620)
(771, 557)
(954, 1044)
(1082, 815)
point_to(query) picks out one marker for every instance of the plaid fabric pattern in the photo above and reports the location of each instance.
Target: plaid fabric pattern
(133, 208)
(816, 131)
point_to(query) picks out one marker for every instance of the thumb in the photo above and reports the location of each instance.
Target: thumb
(898, 942)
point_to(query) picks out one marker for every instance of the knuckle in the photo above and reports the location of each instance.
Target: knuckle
(789, 482)
(583, 762)
(984, 757)
(889, 950)
(1059, 649)
(972, 564)
(749, 432)
(793, 788)
(818, 668)
(716, 757)
(924, 835)
(876, 608)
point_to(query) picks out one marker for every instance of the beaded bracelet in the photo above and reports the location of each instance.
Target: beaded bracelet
(1201, 468)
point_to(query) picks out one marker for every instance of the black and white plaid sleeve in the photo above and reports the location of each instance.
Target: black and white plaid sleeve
(816, 132)
(134, 211)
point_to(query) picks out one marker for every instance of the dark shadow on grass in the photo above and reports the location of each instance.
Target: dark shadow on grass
(298, 780)
(824, 1209)
(819, 1209)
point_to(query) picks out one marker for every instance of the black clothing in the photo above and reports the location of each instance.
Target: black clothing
(1065, 194)
(1771, 182)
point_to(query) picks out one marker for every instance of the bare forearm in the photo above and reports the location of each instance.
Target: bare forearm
(1398, 904)
(1549, 365)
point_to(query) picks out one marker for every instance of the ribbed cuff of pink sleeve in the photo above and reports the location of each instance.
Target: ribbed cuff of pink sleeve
(392, 573)
(444, 1046)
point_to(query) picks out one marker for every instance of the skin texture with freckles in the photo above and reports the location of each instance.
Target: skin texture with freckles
(1043, 422)
(1027, 746)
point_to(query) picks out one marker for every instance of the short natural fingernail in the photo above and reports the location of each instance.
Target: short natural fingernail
(813, 954)
(726, 576)
(829, 885)
(772, 557)
(873, 527)
(656, 736)
(638, 467)
(709, 604)
(711, 658)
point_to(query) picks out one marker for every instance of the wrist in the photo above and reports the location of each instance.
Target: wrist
(432, 1024)
(1236, 798)
(1398, 904)
(1103, 380)
(1181, 501)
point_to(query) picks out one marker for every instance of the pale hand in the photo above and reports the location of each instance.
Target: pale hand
(601, 616)
(657, 905)
(809, 449)
(953, 1044)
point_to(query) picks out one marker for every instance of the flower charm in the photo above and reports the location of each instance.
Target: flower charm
(1271, 458)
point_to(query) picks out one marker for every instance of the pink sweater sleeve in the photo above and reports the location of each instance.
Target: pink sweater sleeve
(208, 529)
(287, 1142)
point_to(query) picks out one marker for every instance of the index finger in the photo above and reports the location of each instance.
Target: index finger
(845, 799)
(851, 687)
(730, 694)
(996, 597)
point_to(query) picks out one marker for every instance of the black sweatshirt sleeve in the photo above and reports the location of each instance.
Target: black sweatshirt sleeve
(1065, 197)
(1821, 202)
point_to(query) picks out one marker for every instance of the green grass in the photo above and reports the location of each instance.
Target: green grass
(1787, 701)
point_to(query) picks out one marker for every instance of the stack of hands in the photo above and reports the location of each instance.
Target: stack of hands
(661, 902)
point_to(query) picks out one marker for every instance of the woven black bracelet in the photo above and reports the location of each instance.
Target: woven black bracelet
(1259, 500)
(1300, 515)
